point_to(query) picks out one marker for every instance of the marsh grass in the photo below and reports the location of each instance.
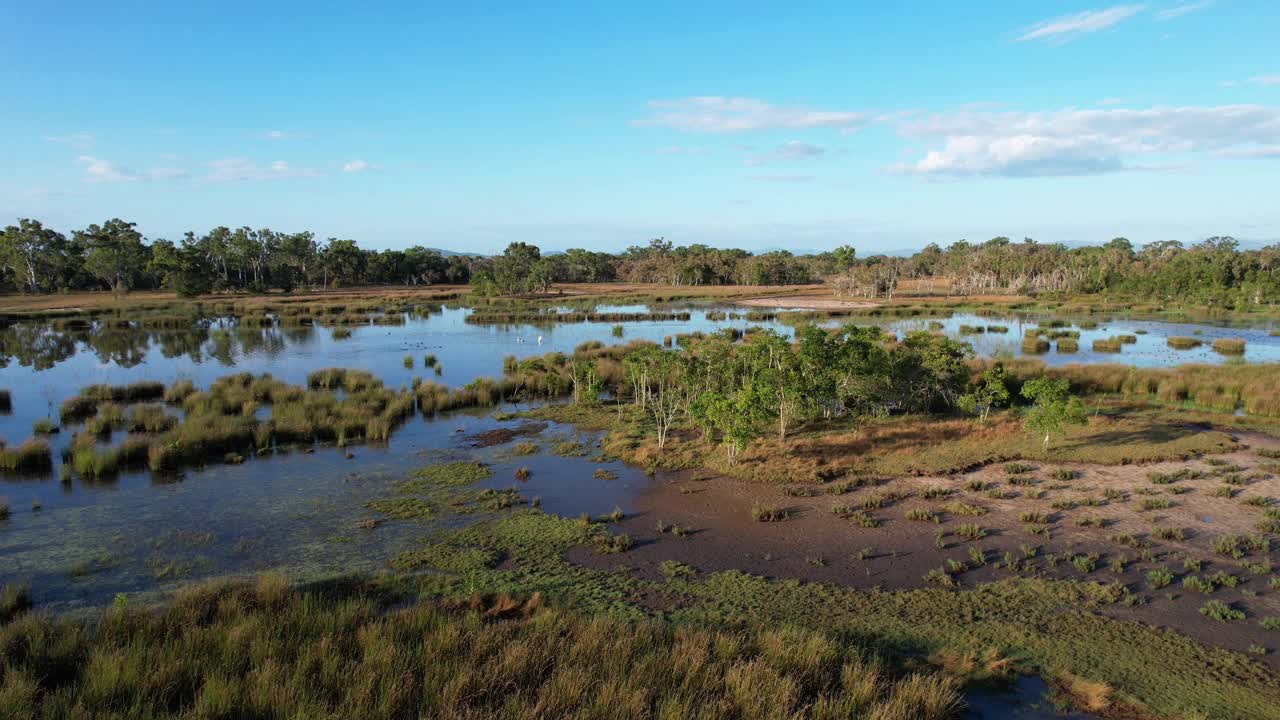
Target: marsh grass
(30, 456)
(1035, 345)
(499, 656)
(1229, 346)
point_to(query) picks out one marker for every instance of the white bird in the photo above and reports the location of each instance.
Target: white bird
(539, 339)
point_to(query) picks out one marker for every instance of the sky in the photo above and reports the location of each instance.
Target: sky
(765, 125)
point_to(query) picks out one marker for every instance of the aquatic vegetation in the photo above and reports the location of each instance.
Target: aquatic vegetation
(1110, 345)
(1183, 343)
(1229, 346)
(87, 400)
(31, 455)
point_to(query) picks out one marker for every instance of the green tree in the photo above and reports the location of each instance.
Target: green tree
(33, 253)
(989, 392)
(115, 252)
(1053, 407)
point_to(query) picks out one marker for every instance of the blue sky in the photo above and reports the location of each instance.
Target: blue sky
(757, 125)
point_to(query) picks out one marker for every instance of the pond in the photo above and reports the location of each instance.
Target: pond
(77, 543)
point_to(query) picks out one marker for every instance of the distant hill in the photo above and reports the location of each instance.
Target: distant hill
(452, 253)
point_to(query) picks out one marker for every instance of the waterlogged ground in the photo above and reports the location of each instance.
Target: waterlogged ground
(304, 515)
(90, 540)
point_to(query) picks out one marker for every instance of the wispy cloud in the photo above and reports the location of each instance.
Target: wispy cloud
(358, 166)
(714, 114)
(792, 150)
(1178, 11)
(80, 140)
(104, 171)
(1081, 142)
(1066, 28)
(278, 135)
(241, 169)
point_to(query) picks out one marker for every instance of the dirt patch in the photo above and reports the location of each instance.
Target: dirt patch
(1031, 518)
(501, 436)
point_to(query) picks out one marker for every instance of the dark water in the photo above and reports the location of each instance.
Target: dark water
(297, 513)
(1026, 698)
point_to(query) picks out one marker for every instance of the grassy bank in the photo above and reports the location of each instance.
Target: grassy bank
(348, 650)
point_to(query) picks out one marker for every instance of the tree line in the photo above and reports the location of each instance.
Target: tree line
(113, 255)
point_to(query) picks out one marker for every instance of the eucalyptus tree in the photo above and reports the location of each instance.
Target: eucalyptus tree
(115, 252)
(33, 253)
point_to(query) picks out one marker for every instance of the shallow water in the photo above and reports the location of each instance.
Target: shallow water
(1026, 698)
(297, 513)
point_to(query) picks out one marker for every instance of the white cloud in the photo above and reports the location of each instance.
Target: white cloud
(1264, 80)
(239, 169)
(681, 150)
(277, 135)
(1080, 142)
(356, 166)
(80, 140)
(1068, 27)
(104, 171)
(737, 114)
(1178, 11)
(792, 150)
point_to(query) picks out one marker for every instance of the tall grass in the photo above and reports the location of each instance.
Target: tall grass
(1251, 387)
(32, 455)
(263, 650)
(1229, 346)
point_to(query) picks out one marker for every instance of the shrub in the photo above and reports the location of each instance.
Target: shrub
(1220, 611)
(761, 513)
(611, 544)
(922, 515)
(1158, 578)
